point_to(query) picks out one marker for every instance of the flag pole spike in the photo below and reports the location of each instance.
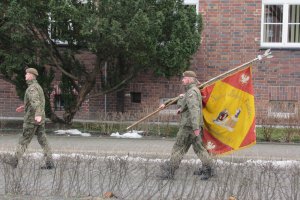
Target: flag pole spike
(267, 54)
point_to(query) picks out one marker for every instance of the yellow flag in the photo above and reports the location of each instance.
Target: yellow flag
(229, 113)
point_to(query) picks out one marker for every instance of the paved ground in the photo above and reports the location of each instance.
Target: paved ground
(136, 178)
(148, 147)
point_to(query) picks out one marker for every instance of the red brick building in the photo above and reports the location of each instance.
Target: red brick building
(234, 33)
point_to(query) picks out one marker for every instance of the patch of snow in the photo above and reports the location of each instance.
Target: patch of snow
(131, 134)
(72, 132)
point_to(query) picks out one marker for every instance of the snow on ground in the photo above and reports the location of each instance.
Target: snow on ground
(131, 134)
(258, 163)
(72, 132)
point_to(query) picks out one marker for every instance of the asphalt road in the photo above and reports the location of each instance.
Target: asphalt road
(146, 147)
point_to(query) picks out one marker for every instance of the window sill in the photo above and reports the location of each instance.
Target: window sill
(280, 48)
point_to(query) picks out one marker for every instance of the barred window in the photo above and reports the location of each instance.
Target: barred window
(280, 24)
(282, 109)
(294, 24)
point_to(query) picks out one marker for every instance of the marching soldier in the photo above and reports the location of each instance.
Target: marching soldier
(191, 122)
(34, 120)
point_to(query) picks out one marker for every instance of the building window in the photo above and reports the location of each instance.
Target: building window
(56, 32)
(280, 25)
(58, 102)
(282, 109)
(136, 97)
(192, 3)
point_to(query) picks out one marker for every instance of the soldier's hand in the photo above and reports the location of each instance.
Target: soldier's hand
(38, 119)
(20, 108)
(197, 132)
(162, 106)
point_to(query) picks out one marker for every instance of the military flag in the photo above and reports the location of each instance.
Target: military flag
(229, 113)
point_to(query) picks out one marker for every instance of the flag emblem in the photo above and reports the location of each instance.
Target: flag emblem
(244, 79)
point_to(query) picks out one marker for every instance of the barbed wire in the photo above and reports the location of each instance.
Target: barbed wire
(88, 176)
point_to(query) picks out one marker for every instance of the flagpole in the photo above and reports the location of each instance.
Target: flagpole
(267, 54)
(238, 68)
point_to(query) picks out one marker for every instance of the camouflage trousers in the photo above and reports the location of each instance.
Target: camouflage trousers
(185, 138)
(29, 130)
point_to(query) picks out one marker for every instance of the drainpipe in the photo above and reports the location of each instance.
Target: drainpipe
(105, 80)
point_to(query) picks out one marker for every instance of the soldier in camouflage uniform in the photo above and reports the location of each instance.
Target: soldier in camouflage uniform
(190, 109)
(34, 120)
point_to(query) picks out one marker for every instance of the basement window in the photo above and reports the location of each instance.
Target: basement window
(282, 109)
(136, 97)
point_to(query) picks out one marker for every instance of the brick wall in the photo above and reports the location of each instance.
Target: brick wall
(231, 37)
(9, 100)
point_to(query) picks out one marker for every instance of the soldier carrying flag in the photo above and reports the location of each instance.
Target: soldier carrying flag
(190, 131)
(227, 118)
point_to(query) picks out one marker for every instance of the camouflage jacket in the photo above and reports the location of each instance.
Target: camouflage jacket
(191, 107)
(34, 101)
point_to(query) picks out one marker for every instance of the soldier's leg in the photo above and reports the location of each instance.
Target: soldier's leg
(181, 146)
(42, 139)
(206, 171)
(24, 140)
(200, 151)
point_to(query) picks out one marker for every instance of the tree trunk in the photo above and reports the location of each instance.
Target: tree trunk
(83, 92)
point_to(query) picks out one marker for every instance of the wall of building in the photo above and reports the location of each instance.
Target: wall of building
(230, 38)
(9, 100)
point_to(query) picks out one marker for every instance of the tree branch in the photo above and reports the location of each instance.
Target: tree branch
(46, 40)
(115, 88)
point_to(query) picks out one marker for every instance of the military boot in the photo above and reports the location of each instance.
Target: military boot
(199, 171)
(165, 166)
(167, 171)
(207, 172)
(12, 161)
(48, 165)
(166, 175)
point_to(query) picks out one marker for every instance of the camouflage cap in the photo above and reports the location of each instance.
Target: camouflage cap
(189, 74)
(32, 71)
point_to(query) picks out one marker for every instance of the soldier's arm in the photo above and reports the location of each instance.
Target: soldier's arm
(35, 101)
(163, 105)
(20, 108)
(193, 105)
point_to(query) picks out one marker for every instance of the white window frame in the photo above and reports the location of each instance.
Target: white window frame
(70, 26)
(57, 41)
(192, 2)
(284, 43)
